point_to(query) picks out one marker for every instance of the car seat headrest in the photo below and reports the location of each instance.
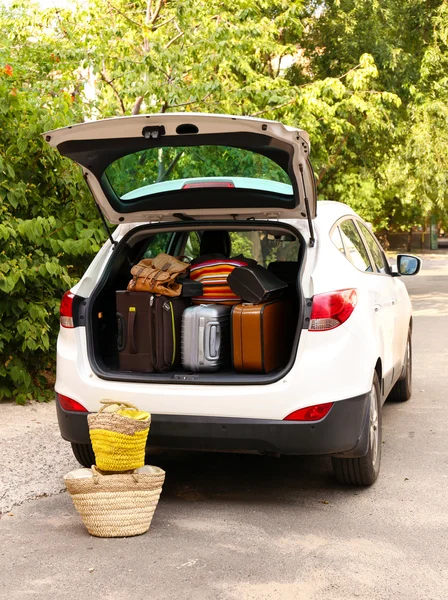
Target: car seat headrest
(216, 242)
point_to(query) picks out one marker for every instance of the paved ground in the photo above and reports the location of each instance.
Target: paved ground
(33, 456)
(248, 527)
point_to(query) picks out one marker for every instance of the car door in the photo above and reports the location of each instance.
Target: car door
(380, 292)
(389, 303)
(401, 320)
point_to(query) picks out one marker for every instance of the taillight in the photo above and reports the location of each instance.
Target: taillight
(208, 184)
(310, 413)
(69, 404)
(66, 309)
(332, 309)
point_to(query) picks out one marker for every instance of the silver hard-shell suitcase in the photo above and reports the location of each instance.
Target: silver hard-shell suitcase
(206, 337)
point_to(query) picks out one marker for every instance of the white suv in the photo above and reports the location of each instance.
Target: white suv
(167, 179)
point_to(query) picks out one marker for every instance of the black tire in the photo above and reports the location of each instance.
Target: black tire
(402, 390)
(364, 470)
(84, 454)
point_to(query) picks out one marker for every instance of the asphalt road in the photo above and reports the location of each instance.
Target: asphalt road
(254, 528)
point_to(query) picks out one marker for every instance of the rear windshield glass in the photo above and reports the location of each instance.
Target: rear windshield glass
(157, 170)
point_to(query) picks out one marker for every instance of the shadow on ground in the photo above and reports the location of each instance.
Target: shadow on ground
(196, 476)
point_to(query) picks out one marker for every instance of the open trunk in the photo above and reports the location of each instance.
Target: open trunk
(191, 172)
(279, 247)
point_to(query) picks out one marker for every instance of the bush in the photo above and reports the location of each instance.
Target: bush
(49, 232)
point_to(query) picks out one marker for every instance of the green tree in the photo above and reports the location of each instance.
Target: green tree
(420, 167)
(89, 60)
(366, 79)
(48, 230)
(397, 177)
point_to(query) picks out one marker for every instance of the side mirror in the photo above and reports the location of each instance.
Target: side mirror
(407, 264)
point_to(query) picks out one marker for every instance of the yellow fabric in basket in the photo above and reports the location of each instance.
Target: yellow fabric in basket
(118, 451)
(138, 415)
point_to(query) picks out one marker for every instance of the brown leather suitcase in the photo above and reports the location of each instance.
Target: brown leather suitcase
(149, 329)
(261, 336)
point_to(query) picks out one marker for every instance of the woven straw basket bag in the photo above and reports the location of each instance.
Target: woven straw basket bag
(116, 505)
(119, 436)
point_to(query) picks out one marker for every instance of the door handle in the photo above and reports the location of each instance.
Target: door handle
(376, 307)
(394, 301)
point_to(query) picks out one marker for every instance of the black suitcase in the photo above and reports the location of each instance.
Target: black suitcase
(149, 328)
(256, 284)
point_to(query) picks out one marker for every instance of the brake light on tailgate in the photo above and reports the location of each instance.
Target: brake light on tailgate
(332, 309)
(208, 184)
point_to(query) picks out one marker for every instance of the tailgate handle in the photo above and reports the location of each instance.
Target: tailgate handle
(153, 132)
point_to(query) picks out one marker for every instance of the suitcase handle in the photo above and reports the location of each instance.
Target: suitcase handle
(201, 341)
(212, 340)
(121, 335)
(131, 335)
(209, 341)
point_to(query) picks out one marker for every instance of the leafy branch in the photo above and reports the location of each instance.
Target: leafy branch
(110, 83)
(152, 16)
(124, 15)
(175, 38)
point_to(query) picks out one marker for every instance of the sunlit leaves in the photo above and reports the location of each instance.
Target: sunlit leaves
(367, 79)
(42, 202)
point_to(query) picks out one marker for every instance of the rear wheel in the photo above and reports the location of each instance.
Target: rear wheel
(364, 469)
(402, 390)
(84, 454)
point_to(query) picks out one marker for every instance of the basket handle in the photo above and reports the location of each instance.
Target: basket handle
(119, 402)
(97, 475)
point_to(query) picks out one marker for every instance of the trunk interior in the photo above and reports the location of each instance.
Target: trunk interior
(277, 247)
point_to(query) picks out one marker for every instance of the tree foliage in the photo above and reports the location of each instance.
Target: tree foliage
(48, 230)
(366, 78)
(398, 177)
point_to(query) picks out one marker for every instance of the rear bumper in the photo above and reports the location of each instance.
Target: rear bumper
(341, 432)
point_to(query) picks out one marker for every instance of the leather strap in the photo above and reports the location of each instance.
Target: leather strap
(131, 338)
(121, 326)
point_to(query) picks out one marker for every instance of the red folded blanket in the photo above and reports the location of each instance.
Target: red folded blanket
(213, 276)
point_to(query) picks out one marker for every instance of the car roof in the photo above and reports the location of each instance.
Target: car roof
(329, 211)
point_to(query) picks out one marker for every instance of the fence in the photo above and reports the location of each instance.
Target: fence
(405, 240)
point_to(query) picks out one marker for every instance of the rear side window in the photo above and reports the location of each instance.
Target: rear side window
(337, 240)
(156, 244)
(375, 250)
(193, 245)
(354, 246)
(265, 247)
